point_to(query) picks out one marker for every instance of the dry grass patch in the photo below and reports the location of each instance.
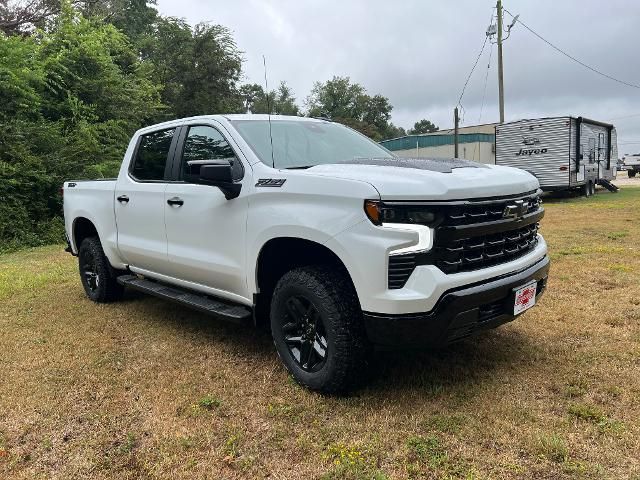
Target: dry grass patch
(147, 389)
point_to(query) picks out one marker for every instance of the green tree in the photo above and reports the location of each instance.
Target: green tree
(423, 126)
(277, 102)
(198, 67)
(350, 104)
(20, 18)
(394, 132)
(136, 19)
(70, 97)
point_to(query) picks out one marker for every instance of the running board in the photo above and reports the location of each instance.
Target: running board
(608, 185)
(217, 308)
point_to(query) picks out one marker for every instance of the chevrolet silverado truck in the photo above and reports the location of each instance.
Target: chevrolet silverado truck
(311, 229)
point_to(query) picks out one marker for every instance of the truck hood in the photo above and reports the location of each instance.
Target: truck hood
(431, 179)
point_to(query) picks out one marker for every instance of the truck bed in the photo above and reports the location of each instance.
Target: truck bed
(93, 200)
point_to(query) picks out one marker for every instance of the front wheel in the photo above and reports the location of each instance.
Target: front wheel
(317, 329)
(97, 276)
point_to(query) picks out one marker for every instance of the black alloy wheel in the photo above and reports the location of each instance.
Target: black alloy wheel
(317, 328)
(98, 278)
(89, 270)
(304, 333)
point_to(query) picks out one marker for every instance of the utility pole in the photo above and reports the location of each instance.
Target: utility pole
(456, 122)
(500, 71)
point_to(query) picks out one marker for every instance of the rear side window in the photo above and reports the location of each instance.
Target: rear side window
(151, 155)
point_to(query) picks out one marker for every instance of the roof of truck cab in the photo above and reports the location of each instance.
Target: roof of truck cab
(264, 116)
(230, 117)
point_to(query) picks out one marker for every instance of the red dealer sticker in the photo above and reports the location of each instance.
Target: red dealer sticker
(525, 298)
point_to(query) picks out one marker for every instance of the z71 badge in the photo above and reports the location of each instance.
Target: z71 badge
(271, 182)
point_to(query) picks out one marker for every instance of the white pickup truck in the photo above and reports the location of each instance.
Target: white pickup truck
(312, 229)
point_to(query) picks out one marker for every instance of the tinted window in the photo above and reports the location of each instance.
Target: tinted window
(206, 143)
(151, 156)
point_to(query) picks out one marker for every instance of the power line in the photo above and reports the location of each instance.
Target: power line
(595, 70)
(625, 116)
(486, 78)
(484, 94)
(472, 69)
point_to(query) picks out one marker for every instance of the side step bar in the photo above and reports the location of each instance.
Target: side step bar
(217, 308)
(608, 185)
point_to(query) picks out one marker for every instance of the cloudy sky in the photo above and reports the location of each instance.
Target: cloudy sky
(418, 53)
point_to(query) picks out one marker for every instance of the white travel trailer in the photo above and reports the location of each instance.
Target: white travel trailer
(546, 148)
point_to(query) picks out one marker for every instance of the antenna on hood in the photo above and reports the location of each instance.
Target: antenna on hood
(266, 92)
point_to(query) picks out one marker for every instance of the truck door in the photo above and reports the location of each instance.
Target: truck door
(139, 203)
(205, 231)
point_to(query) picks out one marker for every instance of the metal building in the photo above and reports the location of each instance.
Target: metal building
(475, 142)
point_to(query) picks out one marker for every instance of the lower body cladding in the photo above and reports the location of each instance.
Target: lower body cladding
(458, 313)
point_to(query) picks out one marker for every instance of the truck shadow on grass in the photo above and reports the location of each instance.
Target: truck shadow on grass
(455, 370)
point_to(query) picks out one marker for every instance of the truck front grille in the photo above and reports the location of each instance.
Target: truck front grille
(473, 235)
(484, 251)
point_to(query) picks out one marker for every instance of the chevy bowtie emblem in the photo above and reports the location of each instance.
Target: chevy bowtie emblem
(516, 209)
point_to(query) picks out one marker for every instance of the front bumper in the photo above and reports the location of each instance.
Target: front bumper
(458, 313)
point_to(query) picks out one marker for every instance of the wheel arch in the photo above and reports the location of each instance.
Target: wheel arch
(82, 228)
(281, 254)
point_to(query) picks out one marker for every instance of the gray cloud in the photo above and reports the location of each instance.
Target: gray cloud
(418, 54)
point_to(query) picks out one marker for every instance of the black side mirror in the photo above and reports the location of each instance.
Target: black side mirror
(218, 173)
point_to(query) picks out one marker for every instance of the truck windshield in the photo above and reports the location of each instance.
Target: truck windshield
(303, 143)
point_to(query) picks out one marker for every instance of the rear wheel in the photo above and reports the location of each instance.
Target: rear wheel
(97, 276)
(317, 329)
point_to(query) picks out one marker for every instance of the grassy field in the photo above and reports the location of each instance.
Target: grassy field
(145, 389)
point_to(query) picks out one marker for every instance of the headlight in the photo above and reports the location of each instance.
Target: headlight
(378, 212)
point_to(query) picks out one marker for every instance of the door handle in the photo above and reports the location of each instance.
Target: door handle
(175, 201)
(123, 199)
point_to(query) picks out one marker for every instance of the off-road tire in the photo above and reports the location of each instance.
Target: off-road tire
(332, 295)
(103, 287)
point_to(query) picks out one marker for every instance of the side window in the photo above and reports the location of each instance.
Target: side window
(151, 155)
(206, 143)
